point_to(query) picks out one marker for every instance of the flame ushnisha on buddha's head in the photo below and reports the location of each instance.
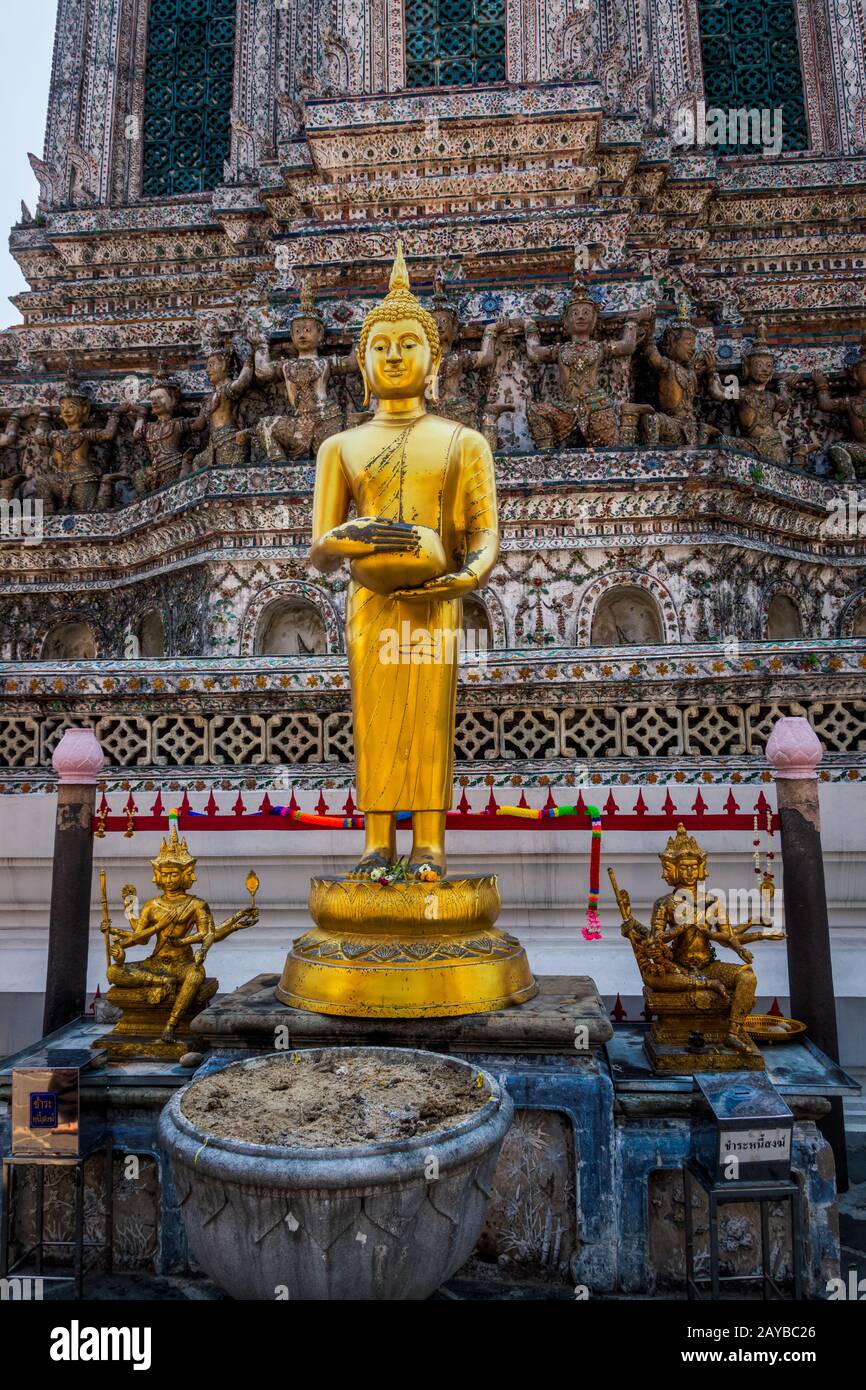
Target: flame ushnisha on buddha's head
(399, 303)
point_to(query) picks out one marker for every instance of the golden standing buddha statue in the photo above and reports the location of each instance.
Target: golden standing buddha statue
(424, 534)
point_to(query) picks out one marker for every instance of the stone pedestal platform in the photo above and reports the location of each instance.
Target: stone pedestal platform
(588, 1188)
(565, 1017)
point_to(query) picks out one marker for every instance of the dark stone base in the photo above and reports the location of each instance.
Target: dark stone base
(566, 1016)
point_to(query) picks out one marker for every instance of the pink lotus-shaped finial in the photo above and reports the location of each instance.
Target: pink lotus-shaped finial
(794, 750)
(78, 758)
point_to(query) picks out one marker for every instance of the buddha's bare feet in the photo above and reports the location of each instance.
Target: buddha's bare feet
(167, 1035)
(424, 862)
(371, 861)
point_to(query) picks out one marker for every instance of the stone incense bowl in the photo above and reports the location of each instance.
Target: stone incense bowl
(378, 1221)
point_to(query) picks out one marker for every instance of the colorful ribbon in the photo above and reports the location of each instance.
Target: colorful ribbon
(592, 930)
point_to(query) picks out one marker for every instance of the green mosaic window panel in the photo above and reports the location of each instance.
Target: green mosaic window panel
(187, 95)
(454, 43)
(752, 60)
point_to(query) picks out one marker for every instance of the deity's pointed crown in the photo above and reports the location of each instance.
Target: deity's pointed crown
(399, 303)
(307, 305)
(72, 388)
(173, 851)
(760, 347)
(682, 320)
(682, 846)
(579, 294)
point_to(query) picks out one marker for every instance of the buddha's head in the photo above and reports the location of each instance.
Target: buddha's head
(684, 863)
(399, 350)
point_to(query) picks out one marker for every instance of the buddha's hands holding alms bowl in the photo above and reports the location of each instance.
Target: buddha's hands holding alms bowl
(387, 555)
(454, 585)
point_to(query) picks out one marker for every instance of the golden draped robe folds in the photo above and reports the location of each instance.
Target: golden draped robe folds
(403, 653)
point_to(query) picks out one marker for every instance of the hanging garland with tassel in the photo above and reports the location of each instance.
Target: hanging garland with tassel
(592, 930)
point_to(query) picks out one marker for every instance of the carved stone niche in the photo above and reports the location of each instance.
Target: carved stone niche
(626, 617)
(291, 627)
(69, 642)
(151, 635)
(784, 623)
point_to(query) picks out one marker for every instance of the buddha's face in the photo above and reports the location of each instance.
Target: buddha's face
(398, 359)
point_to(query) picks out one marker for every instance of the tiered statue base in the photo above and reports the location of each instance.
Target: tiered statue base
(408, 950)
(145, 1013)
(689, 1034)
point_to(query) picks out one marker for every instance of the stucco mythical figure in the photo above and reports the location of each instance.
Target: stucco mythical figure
(162, 436)
(759, 409)
(227, 443)
(582, 404)
(10, 476)
(455, 401)
(66, 472)
(848, 458)
(315, 415)
(679, 367)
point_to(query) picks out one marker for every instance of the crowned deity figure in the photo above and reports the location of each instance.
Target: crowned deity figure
(162, 436)
(455, 401)
(9, 438)
(849, 458)
(679, 367)
(307, 377)
(227, 442)
(582, 403)
(67, 474)
(424, 535)
(759, 409)
(158, 996)
(685, 981)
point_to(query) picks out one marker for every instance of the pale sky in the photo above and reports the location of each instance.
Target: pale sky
(25, 72)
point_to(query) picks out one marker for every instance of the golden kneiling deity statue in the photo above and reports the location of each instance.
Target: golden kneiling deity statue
(159, 996)
(424, 533)
(698, 1004)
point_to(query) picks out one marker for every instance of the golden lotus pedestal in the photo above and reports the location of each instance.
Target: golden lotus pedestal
(406, 950)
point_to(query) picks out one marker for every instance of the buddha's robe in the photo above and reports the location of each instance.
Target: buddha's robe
(403, 653)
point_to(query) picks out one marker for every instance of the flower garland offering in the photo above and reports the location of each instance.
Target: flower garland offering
(768, 883)
(592, 930)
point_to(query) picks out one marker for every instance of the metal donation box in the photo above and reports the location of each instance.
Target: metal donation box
(46, 1109)
(741, 1116)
